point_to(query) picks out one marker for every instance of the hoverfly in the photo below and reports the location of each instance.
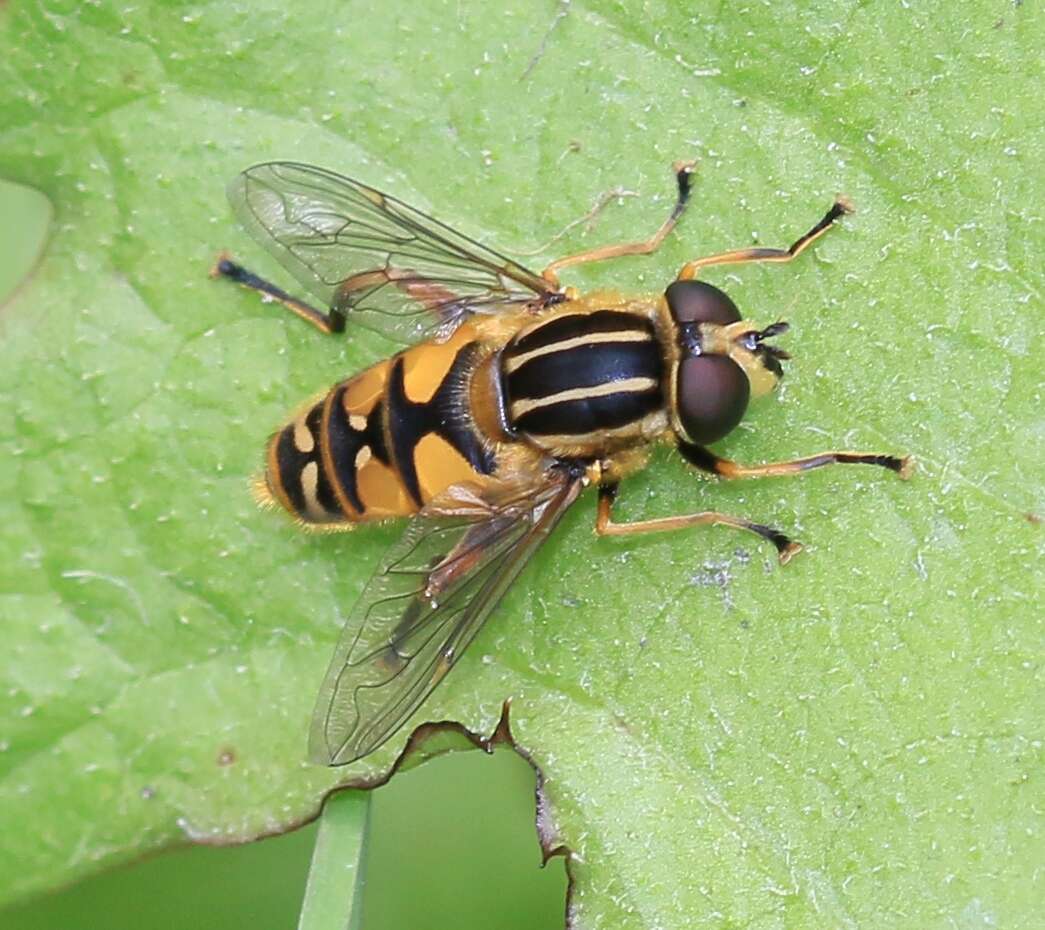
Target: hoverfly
(512, 395)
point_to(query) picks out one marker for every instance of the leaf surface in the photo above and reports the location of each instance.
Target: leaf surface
(854, 740)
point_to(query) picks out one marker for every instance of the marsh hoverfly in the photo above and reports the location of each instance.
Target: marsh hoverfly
(512, 394)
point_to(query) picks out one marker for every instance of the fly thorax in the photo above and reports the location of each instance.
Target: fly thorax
(580, 378)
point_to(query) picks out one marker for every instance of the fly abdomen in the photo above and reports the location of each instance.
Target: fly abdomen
(295, 475)
(583, 378)
(385, 442)
(330, 465)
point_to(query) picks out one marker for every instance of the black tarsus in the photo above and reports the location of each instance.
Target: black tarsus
(683, 177)
(782, 542)
(838, 209)
(885, 461)
(335, 319)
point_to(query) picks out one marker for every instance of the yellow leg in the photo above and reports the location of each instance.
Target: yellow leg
(724, 468)
(604, 525)
(332, 321)
(739, 256)
(683, 170)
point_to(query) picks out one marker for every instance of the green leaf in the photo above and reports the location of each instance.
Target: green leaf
(853, 740)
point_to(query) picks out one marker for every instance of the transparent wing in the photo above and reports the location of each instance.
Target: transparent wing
(419, 611)
(382, 262)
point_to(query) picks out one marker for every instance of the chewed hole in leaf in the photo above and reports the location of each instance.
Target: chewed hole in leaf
(453, 842)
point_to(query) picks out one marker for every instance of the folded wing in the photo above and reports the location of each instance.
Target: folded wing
(388, 266)
(422, 607)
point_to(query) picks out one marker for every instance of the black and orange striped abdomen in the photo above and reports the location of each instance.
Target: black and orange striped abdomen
(386, 441)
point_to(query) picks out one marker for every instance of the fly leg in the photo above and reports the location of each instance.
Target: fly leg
(839, 208)
(604, 525)
(328, 321)
(707, 461)
(683, 170)
(430, 295)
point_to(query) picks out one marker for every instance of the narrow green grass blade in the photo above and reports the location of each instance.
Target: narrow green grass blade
(333, 896)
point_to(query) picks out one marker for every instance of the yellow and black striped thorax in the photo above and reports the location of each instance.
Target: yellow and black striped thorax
(585, 378)
(386, 441)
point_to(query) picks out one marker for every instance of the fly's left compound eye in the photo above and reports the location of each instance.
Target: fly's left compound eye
(697, 302)
(713, 393)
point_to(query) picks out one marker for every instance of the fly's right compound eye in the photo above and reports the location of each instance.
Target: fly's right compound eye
(697, 302)
(713, 393)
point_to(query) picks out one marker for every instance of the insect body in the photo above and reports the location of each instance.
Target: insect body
(387, 441)
(513, 394)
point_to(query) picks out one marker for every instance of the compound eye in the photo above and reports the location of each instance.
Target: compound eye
(713, 392)
(697, 302)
